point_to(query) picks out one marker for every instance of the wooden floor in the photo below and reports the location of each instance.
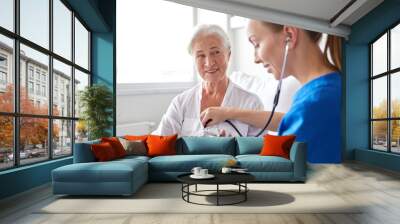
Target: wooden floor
(377, 188)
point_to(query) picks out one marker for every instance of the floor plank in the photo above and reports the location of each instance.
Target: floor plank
(377, 190)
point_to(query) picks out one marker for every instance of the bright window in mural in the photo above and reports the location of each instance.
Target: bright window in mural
(385, 94)
(48, 84)
(160, 62)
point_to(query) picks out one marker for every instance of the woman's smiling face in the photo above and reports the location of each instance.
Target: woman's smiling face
(211, 57)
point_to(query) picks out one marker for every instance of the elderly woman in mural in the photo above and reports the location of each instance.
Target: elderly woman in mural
(210, 48)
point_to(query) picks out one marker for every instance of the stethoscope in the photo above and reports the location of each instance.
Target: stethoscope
(276, 98)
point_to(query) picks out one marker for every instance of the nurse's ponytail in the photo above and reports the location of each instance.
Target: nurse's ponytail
(334, 48)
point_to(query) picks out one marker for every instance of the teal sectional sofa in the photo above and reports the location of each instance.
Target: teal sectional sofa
(125, 176)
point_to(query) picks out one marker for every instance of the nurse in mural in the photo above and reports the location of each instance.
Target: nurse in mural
(211, 51)
(314, 116)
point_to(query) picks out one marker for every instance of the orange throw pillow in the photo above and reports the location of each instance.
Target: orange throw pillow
(136, 137)
(103, 152)
(161, 145)
(116, 145)
(277, 145)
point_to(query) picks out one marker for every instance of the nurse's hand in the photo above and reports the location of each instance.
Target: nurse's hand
(214, 115)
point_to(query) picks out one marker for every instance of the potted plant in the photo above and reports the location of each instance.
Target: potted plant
(96, 102)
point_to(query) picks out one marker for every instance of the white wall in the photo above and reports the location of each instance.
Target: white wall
(137, 108)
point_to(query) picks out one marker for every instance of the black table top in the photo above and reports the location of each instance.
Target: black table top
(220, 178)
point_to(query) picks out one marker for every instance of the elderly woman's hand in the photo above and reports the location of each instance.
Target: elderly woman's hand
(214, 115)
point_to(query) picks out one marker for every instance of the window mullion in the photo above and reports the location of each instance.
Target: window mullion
(16, 84)
(389, 106)
(50, 81)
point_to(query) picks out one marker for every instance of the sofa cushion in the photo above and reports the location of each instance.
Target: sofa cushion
(83, 152)
(103, 152)
(116, 145)
(257, 163)
(249, 145)
(134, 147)
(111, 171)
(185, 163)
(277, 145)
(161, 145)
(206, 145)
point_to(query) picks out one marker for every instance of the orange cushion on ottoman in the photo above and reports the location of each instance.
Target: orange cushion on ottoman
(277, 145)
(161, 145)
(103, 152)
(116, 145)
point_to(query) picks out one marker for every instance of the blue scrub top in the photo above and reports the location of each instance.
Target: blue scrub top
(314, 118)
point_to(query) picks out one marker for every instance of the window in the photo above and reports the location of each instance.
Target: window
(44, 91)
(81, 45)
(37, 75)
(30, 87)
(62, 29)
(3, 61)
(7, 14)
(62, 72)
(385, 94)
(173, 63)
(30, 72)
(38, 89)
(3, 78)
(174, 66)
(35, 21)
(43, 77)
(45, 131)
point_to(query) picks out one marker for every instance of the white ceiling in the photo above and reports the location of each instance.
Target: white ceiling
(317, 15)
(320, 9)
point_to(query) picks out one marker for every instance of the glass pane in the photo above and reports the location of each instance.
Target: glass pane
(212, 17)
(379, 98)
(35, 21)
(81, 45)
(81, 131)
(33, 140)
(395, 94)
(62, 138)
(379, 135)
(7, 14)
(6, 74)
(379, 55)
(34, 82)
(6, 142)
(395, 136)
(395, 47)
(81, 81)
(176, 27)
(62, 29)
(62, 89)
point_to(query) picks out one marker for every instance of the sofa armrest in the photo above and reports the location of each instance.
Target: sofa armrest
(83, 152)
(298, 155)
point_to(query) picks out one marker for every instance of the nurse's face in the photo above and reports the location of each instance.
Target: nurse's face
(268, 46)
(211, 57)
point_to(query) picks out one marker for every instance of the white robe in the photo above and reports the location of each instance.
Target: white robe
(183, 114)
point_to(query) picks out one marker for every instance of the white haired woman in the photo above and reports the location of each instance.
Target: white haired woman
(211, 51)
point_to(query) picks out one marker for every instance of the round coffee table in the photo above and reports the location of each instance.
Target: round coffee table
(238, 179)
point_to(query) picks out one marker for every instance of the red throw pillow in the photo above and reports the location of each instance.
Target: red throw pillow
(103, 152)
(161, 145)
(116, 145)
(277, 145)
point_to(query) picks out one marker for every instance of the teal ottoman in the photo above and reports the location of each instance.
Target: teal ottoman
(118, 177)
